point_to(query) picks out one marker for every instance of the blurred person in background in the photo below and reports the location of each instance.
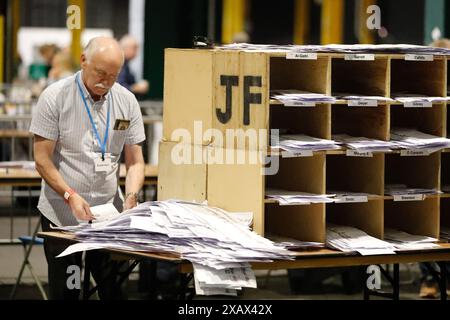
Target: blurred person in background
(130, 47)
(61, 67)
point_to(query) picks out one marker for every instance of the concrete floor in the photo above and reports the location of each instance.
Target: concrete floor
(273, 286)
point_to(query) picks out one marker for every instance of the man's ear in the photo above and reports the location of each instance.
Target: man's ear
(83, 61)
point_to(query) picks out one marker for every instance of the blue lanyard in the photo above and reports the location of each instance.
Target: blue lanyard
(105, 139)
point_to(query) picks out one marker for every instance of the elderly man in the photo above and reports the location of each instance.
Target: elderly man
(81, 126)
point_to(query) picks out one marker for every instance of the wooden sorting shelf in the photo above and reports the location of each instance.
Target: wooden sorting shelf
(355, 174)
(369, 78)
(227, 89)
(369, 122)
(419, 77)
(429, 120)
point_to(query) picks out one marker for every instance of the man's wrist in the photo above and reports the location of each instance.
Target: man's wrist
(133, 195)
(69, 192)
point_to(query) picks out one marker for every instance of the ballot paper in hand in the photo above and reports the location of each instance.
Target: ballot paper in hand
(104, 212)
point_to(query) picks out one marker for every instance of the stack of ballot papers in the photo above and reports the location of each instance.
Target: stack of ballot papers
(349, 239)
(292, 98)
(363, 144)
(26, 165)
(295, 143)
(372, 100)
(343, 48)
(445, 233)
(294, 244)
(415, 140)
(285, 197)
(403, 189)
(404, 241)
(219, 246)
(409, 99)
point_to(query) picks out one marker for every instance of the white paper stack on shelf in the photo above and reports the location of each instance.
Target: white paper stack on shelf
(415, 140)
(294, 244)
(403, 189)
(404, 241)
(27, 165)
(342, 48)
(349, 197)
(293, 98)
(363, 144)
(445, 233)
(413, 100)
(361, 100)
(285, 197)
(349, 239)
(294, 144)
(218, 245)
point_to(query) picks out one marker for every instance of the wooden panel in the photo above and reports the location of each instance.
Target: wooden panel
(415, 217)
(181, 181)
(428, 120)
(359, 77)
(315, 121)
(187, 91)
(306, 174)
(367, 216)
(419, 77)
(370, 122)
(306, 223)
(445, 212)
(356, 174)
(421, 172)
(238, 187)
(305, 75)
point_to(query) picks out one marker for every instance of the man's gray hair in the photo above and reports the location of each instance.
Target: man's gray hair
(93, 46)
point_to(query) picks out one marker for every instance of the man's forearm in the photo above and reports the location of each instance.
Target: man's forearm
(135, 178)
(51, 175)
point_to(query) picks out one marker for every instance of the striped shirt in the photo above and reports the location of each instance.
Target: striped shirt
(60, 115)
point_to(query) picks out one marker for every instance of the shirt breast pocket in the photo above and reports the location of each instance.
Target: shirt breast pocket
(117, 141)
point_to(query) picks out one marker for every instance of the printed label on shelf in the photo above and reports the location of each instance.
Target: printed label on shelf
(418, 104)
(299, 104)
(414, 153)
(351, 199)
(419, 57)
(301, 55)
(359, 57)
(297, 154)
(409, 197)
(362, 103)
(354, 153)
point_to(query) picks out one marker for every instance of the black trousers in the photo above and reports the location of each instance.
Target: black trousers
(60, 270)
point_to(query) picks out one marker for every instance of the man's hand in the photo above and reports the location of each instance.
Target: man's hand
(80, 208)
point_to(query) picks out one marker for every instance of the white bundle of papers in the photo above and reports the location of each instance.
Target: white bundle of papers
(445, 233)
(404, 241)
(285, 197)
(299, 98)
(357, 97)
(410, 97)
(208, 237)
(293, 143)
(416, 140)
(362, 144)
(26, 165)
(349, 239)
(341, 48)
(294, 244)
(399, 189)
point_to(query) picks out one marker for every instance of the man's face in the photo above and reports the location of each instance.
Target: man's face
(99, 74)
